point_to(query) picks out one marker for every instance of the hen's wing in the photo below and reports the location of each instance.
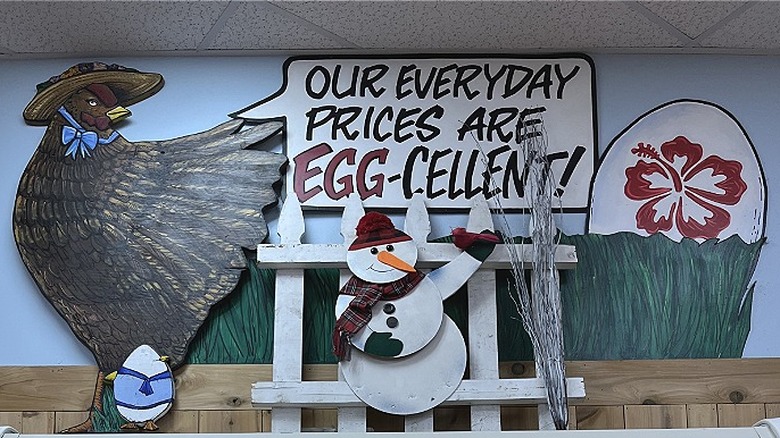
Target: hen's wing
(135, 244)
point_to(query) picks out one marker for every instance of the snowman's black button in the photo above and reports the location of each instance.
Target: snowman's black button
(392, 322)
(388, 308)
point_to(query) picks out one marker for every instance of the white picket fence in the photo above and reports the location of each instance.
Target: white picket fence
(483, 391)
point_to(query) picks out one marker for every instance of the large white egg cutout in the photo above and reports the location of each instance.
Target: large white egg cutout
(685, 169)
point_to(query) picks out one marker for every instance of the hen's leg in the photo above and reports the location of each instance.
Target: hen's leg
(97, 404)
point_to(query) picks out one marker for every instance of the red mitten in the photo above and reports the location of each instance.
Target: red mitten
(464, 239)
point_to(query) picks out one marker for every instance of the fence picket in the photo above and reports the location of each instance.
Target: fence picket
(350, 419)
(483, 338)
(288, 319)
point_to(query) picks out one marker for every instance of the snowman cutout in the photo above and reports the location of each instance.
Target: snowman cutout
(399, 352)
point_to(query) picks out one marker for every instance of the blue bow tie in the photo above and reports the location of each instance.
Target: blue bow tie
(78, 141)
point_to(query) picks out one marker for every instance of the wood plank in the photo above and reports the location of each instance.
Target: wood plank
(483, 344)
(350, 419)
(13, 419)
(772, 410)
(422, 422)
(288, 318)
(338, 394)
(527, 418)
(319, 420)
(608, 383)
(417, 222)
(600, 417)
(572, 418)
(217, 387)
(431, 255)
(64, 420)
(314, 372)
(176, 421)
(740, 415)
(519, 418)
(288, 349)
(682, 381)
(451, 419)
(230, 421)
(286, 420)
(265, 420)
(37, 423)
(46, 388)
(291, 225)
(702, 415)
(377, 421)
(655, 417)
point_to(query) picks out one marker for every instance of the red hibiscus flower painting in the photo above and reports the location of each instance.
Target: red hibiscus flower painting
(680, 189)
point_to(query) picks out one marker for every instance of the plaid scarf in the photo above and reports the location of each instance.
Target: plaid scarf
(358, 313)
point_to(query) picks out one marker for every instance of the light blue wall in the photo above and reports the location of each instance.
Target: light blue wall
(200, 92)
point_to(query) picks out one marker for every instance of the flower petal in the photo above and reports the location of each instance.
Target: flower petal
(733, 185)
(649, 219)
(682, 147)
(638, 187)
(709, 227)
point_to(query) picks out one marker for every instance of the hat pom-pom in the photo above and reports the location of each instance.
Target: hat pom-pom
(373, 221)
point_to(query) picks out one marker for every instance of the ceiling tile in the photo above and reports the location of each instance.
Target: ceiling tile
(260, 26)
(138, 28)
(692, 18)
(105, 27)
(758, 27)
(492, 25)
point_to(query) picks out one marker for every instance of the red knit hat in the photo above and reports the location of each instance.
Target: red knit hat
(376, 229)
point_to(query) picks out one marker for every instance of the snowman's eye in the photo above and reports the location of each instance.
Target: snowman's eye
(374, 251)
(390, 248)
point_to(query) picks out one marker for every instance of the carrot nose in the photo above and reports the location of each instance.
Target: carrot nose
(394, 262)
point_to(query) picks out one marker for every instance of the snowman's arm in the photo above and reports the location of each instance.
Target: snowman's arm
(452, 276)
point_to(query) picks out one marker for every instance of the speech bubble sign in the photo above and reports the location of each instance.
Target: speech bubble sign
(444, 126)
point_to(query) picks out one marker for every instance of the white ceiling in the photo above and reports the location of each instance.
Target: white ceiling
(143, 28)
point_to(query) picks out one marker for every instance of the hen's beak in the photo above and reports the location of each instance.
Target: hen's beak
(394, 262)
(118, 113)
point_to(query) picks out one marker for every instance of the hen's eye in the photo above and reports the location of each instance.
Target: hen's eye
(92, 102)
(390, 248)
(374, 251)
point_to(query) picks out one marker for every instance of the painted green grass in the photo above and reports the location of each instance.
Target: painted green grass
(107, 420)
(634, 297)
(321, 287)
(239, 328)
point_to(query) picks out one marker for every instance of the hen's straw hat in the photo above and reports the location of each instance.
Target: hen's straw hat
(129, 85)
